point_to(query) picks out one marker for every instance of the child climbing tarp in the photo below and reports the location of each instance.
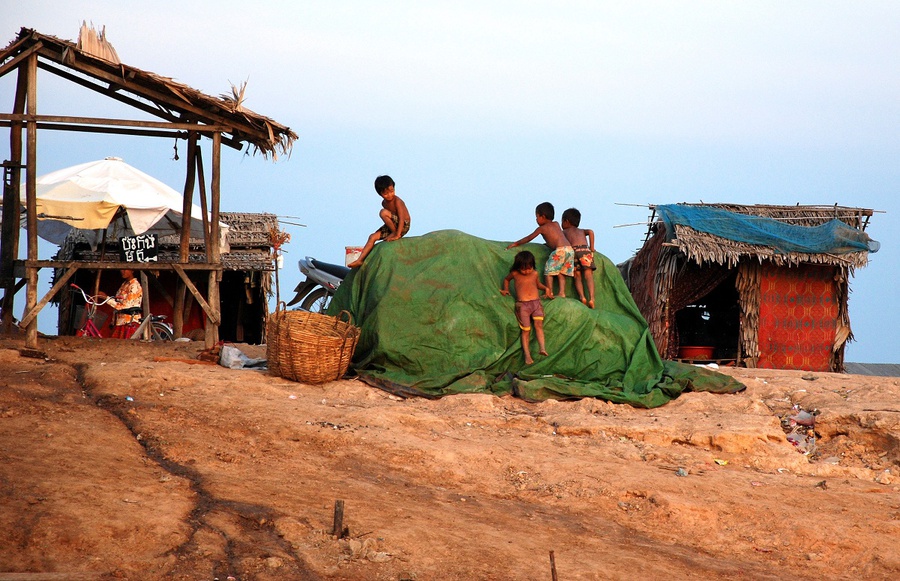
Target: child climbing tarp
(434, 323)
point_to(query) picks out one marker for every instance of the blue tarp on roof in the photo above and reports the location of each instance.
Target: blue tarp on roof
(833, 237)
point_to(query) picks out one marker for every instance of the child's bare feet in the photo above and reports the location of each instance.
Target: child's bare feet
(591, 303)
(529, 361)
(543, 352)
(583, 301)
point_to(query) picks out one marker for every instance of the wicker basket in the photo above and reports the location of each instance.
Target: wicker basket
(273, 342)
(309, 347)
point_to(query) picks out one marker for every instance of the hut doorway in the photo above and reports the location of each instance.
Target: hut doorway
(243, 307)
(709, 328)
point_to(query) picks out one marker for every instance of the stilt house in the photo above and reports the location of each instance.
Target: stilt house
(756, 286)
(180, 113)
(246, 281)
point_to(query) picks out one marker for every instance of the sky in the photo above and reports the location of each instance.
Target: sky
(481, 110)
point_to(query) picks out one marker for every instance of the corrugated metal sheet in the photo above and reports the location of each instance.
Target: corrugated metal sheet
(879, 369)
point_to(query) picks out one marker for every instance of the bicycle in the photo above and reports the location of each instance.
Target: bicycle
(154, 325)
(159, 329)
(89, 329)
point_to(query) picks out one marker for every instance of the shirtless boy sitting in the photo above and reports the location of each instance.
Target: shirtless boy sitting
(394, 215)
(562, 260)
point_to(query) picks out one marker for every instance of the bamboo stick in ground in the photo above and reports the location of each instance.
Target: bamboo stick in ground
(337, 528)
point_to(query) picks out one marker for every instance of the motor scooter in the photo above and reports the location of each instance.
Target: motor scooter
(322, 279)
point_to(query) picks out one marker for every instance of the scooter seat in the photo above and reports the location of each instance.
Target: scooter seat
(337, 270)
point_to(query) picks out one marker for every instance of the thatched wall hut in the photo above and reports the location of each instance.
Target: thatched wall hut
(244, 288)
(711, 290)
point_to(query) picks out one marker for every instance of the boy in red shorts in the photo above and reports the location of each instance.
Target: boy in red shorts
(528, 303)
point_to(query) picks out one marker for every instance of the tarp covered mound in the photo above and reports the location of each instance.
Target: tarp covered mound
(433, 323)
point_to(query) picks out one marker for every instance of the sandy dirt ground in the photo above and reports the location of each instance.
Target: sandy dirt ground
(128, 460)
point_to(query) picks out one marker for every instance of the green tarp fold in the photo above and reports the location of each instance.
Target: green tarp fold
(433, 323)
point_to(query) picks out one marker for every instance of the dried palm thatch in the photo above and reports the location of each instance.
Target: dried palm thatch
(702, 247)
(96, 44)
(237, 96)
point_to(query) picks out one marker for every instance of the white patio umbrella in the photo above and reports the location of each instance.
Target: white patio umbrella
(91, 195)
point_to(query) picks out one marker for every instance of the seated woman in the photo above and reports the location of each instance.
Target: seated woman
(127, 304)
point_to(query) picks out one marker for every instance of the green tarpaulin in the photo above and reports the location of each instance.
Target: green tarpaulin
(433, 323)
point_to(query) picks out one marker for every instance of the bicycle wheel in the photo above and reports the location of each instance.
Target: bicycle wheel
(316, 301)
(160, 332)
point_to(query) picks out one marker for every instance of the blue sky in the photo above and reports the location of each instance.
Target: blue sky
(481, 110)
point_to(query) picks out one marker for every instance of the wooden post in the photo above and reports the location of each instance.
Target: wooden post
(31, 272)
(188, 200)
(337, 528)
(9, 239)
(178, 309)
(184, 247)
(145, 303)
(201, 182)
(553, 566)
(212, 329)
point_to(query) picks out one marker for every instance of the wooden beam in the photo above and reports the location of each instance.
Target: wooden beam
(160, 288)
(211, 314)
(8, 302)
(116, 131)
(172, 99)
(16, 44)
(198, 127)
(111, 91)
(33, 313)
(106, 130)
(16, 60)
(116, 265)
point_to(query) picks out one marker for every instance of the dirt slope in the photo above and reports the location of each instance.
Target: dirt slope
(124, 460)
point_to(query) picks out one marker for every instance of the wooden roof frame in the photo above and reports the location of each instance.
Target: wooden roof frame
(184, 113)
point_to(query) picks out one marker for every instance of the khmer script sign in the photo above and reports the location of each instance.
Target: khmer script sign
(142, 248)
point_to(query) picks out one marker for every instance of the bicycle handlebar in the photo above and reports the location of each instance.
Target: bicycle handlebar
(87, 298)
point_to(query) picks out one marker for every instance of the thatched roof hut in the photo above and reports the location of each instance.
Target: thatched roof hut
(754, 285)
(245, 285)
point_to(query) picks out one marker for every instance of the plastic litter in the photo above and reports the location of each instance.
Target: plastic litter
(233, 358)
(804, 441)
(804, 418)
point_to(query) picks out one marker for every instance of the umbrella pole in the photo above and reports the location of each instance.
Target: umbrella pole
(99, 270)
(120, 213)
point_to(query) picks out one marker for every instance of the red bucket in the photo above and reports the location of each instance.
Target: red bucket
(695, 352)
